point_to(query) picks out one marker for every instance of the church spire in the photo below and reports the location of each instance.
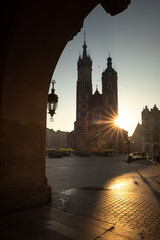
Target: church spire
(109, 61)
(84, 47)
(85, 59)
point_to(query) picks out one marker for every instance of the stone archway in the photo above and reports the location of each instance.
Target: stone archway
(34, 33)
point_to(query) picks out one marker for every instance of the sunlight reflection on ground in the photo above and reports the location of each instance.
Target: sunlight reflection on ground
(119, 185)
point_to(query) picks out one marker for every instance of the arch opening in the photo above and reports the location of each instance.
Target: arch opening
(32, 41)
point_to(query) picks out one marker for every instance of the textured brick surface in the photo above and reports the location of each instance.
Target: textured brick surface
(130, 200)
(93, 199)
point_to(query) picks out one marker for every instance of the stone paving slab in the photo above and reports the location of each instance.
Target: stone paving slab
(131, 201)
(126, 207)
(46, 223)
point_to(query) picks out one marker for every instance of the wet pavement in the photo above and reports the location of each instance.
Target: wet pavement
(93, 198)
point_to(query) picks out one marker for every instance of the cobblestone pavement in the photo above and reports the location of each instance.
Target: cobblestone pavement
(108, 190)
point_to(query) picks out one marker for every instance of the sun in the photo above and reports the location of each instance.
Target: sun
(123, 121)
(120, 121)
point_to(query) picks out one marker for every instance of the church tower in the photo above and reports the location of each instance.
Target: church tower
(84, 94)
(94, 128)
(109, 90)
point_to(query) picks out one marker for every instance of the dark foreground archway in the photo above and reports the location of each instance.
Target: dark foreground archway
(33, 35)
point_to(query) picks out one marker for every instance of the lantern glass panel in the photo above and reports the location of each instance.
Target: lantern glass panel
(52, 106)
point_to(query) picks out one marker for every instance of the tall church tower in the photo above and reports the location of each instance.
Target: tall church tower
(110, 90)
(94, 128)
(84, 94)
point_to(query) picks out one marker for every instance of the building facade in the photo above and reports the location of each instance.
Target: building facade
(56, 139)
(151, 130)
(146, 137)
(95, 127)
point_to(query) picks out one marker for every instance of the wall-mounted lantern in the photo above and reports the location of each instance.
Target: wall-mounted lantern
(52, 101)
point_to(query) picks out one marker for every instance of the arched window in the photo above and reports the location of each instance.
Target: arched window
(109, 86)
(83, 89)
(110, 97)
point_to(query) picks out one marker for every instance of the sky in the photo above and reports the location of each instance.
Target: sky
(133, 40)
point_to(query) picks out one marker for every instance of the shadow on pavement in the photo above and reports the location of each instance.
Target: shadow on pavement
(156, 194)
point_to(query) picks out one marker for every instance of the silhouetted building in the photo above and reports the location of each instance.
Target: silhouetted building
(151, 129)
(56, 139)
(95, 127)
(146, 137)
(136, 139)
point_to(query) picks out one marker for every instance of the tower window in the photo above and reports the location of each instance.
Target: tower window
(109, 86)
(110, 97)
(83, 89)
(83, 114)
(83, 106)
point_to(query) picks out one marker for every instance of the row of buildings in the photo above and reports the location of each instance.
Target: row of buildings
(146, 137)
(95, 128)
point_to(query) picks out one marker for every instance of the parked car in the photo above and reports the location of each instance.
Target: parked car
(137, 155)
(54, 154)
(149, 156)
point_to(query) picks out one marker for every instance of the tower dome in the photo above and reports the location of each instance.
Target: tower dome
(109, 71)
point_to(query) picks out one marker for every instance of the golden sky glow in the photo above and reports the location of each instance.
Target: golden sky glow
(133, 39)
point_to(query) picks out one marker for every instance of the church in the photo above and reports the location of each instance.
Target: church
(95, 128)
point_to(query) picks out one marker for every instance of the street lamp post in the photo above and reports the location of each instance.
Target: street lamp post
(52, 101)
(128, 144)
